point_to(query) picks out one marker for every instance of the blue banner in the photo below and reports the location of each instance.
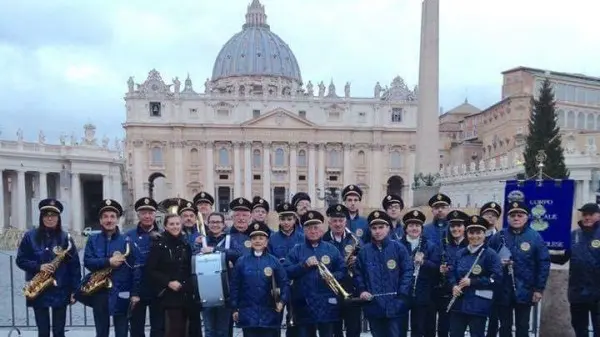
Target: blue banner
(551, 204)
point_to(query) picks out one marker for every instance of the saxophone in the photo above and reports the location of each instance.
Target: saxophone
(100, 279)
(43, 279)
(351, 252)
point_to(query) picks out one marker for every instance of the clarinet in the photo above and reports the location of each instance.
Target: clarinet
(510, 268)
(417, 266)
(444, 261)
(454, 298)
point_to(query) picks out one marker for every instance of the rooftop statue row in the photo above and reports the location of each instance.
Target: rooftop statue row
(263, 86)
(88, 140)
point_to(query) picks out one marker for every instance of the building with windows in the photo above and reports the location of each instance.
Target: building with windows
(259, 128)
(485, 147)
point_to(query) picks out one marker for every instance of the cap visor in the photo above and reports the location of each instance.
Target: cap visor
(50, 208)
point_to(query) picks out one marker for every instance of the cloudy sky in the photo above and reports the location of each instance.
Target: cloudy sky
(64, 63)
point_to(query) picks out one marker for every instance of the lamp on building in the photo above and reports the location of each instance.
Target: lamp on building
(151, 180)
(331, 195)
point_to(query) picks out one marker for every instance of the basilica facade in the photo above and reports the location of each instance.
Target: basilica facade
(258, 128)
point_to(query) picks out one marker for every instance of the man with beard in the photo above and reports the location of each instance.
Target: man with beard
(188, 214)
(301, 201)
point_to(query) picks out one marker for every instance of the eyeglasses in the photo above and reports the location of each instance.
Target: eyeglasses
(215, 222)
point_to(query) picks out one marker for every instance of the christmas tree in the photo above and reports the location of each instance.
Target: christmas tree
(544, 135)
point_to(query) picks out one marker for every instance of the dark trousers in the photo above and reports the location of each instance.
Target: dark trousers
(418, 320)
(580, 313)
(492, 330)
(437, 313)
(138, 319)
(522, 316)
(176, 322)
(102, 318)
(387, 327)
(42, 321)
(350, 318)
(194, 314)
(261, 332)
(309, 330)
(459, 323)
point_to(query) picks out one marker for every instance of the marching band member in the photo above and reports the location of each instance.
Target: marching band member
(241, 208)
(352, 197)
(584, 271)
(260, 209)
(315, 306)
(44, 250)
(110, 255)
(475, 271)
(188, 213)
(217, 319)
(436, 232)
(524, 282)
(426, 259)
(393, 206)
(256, 279)
(383, 276)
(280, 244)
(301, 201)
(348, 245)
(491, 212)
(142, 237)
(204, 203)
(168, 271)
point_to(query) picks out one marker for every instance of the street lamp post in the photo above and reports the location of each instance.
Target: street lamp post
(331, 195)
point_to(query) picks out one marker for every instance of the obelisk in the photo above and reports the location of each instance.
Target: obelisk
(427, 159)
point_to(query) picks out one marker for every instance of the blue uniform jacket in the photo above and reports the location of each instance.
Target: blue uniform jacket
(476, 298)
(436, 232)
(531, 264)
(240, 243)
(142, 242)
(31, 255)
(422, 287)
(359, 227)
(584, 270)
(191, 233)
(397, 230)
(126, 278)
(251, 286)
(312, 300)
(386, 270)
(281, 244)
(448, 251)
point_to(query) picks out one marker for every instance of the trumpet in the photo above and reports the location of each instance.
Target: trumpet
(101, 278)
(43, 279)
(454, 298)
(334, 285)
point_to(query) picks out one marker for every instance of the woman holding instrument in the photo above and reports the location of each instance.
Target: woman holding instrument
(473, 276)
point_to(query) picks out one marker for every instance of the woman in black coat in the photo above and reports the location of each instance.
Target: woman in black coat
(169, 271)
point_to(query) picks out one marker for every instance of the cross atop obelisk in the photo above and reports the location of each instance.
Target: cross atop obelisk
(427, 156)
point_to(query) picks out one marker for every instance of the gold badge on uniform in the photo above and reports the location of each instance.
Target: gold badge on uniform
(310, 215)
(107, 202)
(285, 207)
(596, 243)
(416, 213)
(52, 203)
(359, 232)
(240, 201)
(348, 249)
(474, 219)
(515, 204)
(261, 201)
(202, 195)
(376, 214)
(268, 271)
(389, 197)
(338, 208)
(351, 187)
(477, 269)
(391, 264)
(325, 259)
(439, 197)
(189, 204)
(493, 205)
(256, 226)
(525, 246)
(247, 244)
(455, 213)
(146, 201)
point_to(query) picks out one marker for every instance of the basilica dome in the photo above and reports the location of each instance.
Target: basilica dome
(256, 51)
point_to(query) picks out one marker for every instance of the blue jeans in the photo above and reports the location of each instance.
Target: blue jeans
(387, 327)
(42, 321)
(216, 321)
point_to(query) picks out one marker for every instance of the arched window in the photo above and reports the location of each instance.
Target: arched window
(333, 158)
(279, 157)
(589, 122)
(395, 160)
(571, 120)
(302, 158)
(194, 157)
(256, 159)
(560, 118)
(580, 120)
(156, 156)
(361, 160)
(223, 157)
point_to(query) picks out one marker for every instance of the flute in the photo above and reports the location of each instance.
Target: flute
(454, 298)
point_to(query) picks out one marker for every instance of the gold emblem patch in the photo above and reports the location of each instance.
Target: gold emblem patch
(256, 226)
(107, 202)
(339, 207)
(359, 232)
(202, 195)
(525, 246)
(439, 197)
(596, 243)
(268, 271)
(240, 201)
(348, 249)
(455, 213)
(389, 197)
(416, 213)
(493, 205)
(325, 259)
(477, 269)
(515, 205)
(310, 215)
(351, 187)
(52, 203)
(376, 214)
(285, 207)
(261, 201)
(189, 204)
(247, 244)
(474, 219)
(391, 264)
(146, 201)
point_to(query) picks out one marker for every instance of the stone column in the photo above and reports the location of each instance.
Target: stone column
(138, 163)
(375, 193)
(117, 188)
(43, 185)
(106, 193)
(76, 221)
(586, 192)
(209, 169)
(22, 201)
(178, 170)
(248, 170)
(2, 219)
(348, 167)
(312, 165)
(321, 174)
(293, 168)
(266, 176)
(237, 170)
